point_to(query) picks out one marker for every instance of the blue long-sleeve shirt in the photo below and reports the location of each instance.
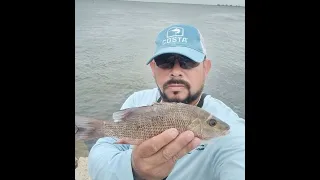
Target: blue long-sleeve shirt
(222, 159)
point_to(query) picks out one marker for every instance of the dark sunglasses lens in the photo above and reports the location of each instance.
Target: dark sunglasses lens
(187, 63)
(166, 61)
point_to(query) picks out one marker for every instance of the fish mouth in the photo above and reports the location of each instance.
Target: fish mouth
(225, 125)
(225, 132)
(215, 135)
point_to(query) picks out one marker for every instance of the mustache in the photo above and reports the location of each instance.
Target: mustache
(176, 81)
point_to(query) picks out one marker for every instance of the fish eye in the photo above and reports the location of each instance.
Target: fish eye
(212, 122)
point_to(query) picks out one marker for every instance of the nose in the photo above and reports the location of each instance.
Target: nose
(176, 69)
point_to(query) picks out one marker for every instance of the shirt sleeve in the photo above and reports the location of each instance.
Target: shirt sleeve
(129, 102)
(230, 159)
(108, 161)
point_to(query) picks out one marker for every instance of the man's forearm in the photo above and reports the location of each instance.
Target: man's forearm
(108, 161)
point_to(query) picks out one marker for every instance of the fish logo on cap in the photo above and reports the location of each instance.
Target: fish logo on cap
(175, 31)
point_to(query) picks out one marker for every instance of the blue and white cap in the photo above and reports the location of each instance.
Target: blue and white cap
(181, 39)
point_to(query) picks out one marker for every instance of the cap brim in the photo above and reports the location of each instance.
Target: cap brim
(188, 52)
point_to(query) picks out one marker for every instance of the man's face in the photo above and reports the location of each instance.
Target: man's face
(182, 81)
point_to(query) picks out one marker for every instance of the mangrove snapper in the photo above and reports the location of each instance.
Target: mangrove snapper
(141, 123)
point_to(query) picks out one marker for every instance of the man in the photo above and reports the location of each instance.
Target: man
(179, 67)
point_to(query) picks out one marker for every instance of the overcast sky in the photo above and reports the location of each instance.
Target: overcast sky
(213, 2)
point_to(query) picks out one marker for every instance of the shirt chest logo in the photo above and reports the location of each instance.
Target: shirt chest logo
(199, 148)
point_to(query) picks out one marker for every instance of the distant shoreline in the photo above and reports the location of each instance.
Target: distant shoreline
(187, 3)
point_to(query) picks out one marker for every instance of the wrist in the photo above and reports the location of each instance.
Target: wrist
(136, 175)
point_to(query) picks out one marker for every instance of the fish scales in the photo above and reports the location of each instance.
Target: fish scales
(141, 123)
(146, 122)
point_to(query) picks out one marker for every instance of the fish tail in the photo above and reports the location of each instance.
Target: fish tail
(88, 128)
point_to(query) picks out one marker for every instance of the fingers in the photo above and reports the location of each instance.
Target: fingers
(156, 157)
(165, 168)
(153, 171)
(192, 145)
(154, 144)
(162, 170)
(184, 143)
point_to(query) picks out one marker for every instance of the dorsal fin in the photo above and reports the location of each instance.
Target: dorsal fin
(124, 114)
(121, 115)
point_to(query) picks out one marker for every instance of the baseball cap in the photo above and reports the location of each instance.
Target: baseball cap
(181, 39)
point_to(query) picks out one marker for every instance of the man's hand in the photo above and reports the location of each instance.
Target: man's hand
(154, 158)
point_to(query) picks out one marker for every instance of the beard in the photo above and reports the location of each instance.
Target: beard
(190, 97)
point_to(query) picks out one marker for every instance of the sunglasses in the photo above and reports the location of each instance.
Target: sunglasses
(167, 61)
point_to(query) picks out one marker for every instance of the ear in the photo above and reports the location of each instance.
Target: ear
(207, 66)
(152, 65)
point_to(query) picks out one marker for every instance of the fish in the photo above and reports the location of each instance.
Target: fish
(141, 123)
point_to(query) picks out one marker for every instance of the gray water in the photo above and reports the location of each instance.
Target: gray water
(115, 38)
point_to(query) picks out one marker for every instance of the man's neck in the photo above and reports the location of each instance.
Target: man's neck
(195, 102)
